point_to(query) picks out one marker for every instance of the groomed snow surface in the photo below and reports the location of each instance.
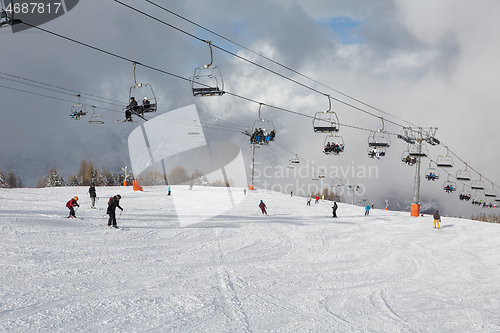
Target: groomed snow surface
(295, 270)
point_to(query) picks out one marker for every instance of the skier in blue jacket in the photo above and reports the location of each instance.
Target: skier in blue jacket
(367, 210)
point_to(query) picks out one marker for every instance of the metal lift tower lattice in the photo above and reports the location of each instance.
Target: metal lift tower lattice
(416, 136)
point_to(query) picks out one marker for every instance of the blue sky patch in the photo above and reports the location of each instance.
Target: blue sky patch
(345, 28)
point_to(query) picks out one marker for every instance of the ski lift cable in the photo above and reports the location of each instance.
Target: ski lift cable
(275, 62)
(468, 165)
(101, 99)
(183, 78)
(186, 79)
(251, 62)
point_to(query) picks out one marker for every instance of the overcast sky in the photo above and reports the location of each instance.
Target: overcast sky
(432, 63)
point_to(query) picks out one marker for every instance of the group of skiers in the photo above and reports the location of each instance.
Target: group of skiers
(260, 135)
(113, 203)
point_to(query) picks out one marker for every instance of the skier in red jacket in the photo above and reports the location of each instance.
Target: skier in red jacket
(70, 204)
(263, 207)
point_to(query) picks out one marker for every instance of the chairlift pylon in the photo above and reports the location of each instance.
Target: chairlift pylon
(207, 80)
(326, 121)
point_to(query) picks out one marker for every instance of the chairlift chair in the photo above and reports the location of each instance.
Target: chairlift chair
(465, 195)
(449, 186)
(95, 118)
(431, 174)
(444, 161)
(290, 165)
(376, 152)
(295, 159)
(5, 20)
(143, 89)
(417, 150)
(497, 199)
(379, 138)
(407, 159)
(321, 173)
(326, 121)
(477, 184)
(207, 80)
(78, 110)
(464, 175)
(490, 193)
(263, 131)
(194, 131)
(315, 176)
(334, 145)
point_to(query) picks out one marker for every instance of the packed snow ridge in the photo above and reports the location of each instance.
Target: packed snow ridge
(294, 270)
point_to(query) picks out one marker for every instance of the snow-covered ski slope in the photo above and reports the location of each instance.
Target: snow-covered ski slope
(295, 270)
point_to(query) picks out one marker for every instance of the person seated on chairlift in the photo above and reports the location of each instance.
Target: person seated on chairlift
(77, 114)
(272, 135)
(449, 188)
(128, 111)
(145, 104)
(327, 147)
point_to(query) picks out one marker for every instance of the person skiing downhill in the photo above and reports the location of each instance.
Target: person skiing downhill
(437, 218)
(367, 210)
(334, 209)
(70, 204)
(92, 195)
(112, 204)
(263, 207)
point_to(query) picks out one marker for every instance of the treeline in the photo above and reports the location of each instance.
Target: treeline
(493, 218)
(179, 175)
(10, 180)
(86, 175)
(330, 195)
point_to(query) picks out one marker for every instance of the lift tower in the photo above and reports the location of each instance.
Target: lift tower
(416, 137)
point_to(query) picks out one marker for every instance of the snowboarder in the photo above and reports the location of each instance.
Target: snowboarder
(70, 204)
(334, 208)
(263, 207)
(437, 218)
(317, 199)
(92, 195)
(323, 198)
(169, 191)
(112, 204)
(309, 201)
(291, 193)
(367, 210)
